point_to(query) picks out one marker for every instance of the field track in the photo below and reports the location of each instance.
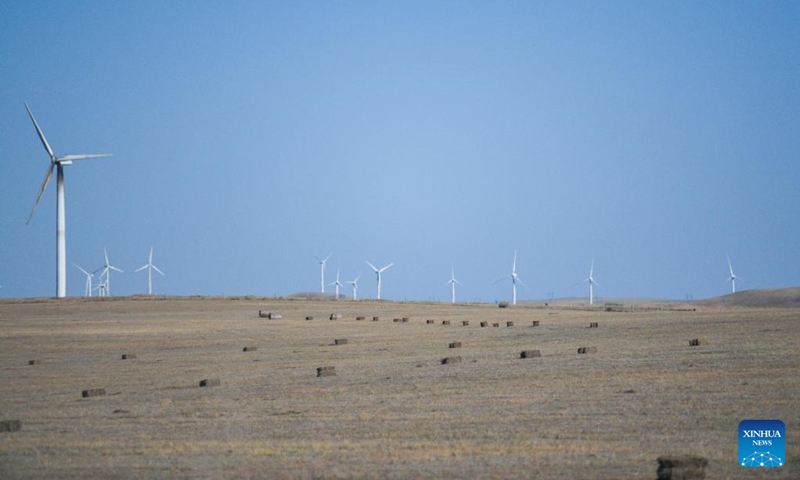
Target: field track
(392, 409)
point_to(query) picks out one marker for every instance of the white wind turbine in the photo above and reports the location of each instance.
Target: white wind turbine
(452, 282)
(354, 283)
(57, 163)
(337, 284)
(733, 277)
(378, 272)
(322, 271)
(591, 281)
(106, 290)
(514, 280)
(88, 289)
(150, 267)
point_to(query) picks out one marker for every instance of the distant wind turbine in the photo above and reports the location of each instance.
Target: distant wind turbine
(733, 277)
(150, 267)
(57, 163)
(378, 272)
(87, 292)
(514, 280)
(337, 284)
(322, 272)
(452, 282)
(354, 283)
(591, 281)
(106, 290)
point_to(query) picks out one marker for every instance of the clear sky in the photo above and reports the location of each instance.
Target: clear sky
(250, 137)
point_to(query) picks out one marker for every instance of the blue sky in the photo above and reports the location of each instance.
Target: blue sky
(250, 137)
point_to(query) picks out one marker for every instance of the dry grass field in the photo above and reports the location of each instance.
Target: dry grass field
(393, 410)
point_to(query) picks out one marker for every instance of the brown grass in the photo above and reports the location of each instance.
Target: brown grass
(392, 411)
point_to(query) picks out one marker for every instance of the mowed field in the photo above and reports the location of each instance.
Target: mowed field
(393, 410)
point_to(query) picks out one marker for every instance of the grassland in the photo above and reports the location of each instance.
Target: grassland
(393, 410)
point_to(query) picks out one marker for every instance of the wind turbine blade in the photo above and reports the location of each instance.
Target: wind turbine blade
(115, 268)
(82, 270)
(730, 267)
(372, 266)
(386, 267)
(41, 136)
(141, 268)
(41, 191)
(521, 282)
(69, 158)
(157, 270)
(500, 280)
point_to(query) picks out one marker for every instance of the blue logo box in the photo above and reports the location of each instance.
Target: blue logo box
(762, 443)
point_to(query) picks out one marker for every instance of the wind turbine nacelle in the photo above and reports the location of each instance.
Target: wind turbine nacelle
(65, 162)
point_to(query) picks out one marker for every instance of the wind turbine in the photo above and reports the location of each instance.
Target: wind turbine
(452, 283)
(338, 284)
(514, 279)
(378, 272)
(322, 272)
(150, 267)
(88, 289)
(106, 290)
(591, 281)
(733, 277)
(354, 283)
(57, 163)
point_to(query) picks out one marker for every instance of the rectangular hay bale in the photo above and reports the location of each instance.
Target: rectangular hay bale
(93, 392)
(340, 341)
(583, 350)
(326, 371)
(10, 426)
(451, 360)
(530, 354)
(210, 382)
(129, 356)
(455, 345)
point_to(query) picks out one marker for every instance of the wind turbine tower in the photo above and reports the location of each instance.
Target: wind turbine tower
(452, 282)
(106, 290)
(733, 276)
(591, 281)
(514, 280)
(322, 272)
(378, 272)
(57, 163)
(337, 284)
(354, 283)
(150, 267)
(88, 289)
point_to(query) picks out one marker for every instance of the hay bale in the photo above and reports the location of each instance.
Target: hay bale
(31, 362)
(309, 317)
(696, 342)
(128, 356)
(535, 323)
(263, 314)
(465, 323)
(249, 349)
(455, 345)
(360, 318)
(497, 325)
(451, 360)
(681, 467)
(93, 392)
(530, 354)
(594, 325)
(405, 319)
(509, 324)
(503, 304)
(429, 321)
(210, 382)
(484, 324)
(335, 316)
(375, 319)
(583, 350)
(10, 426)
(326, 371)
(396, 320)
(340, 341)
(445, 322)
